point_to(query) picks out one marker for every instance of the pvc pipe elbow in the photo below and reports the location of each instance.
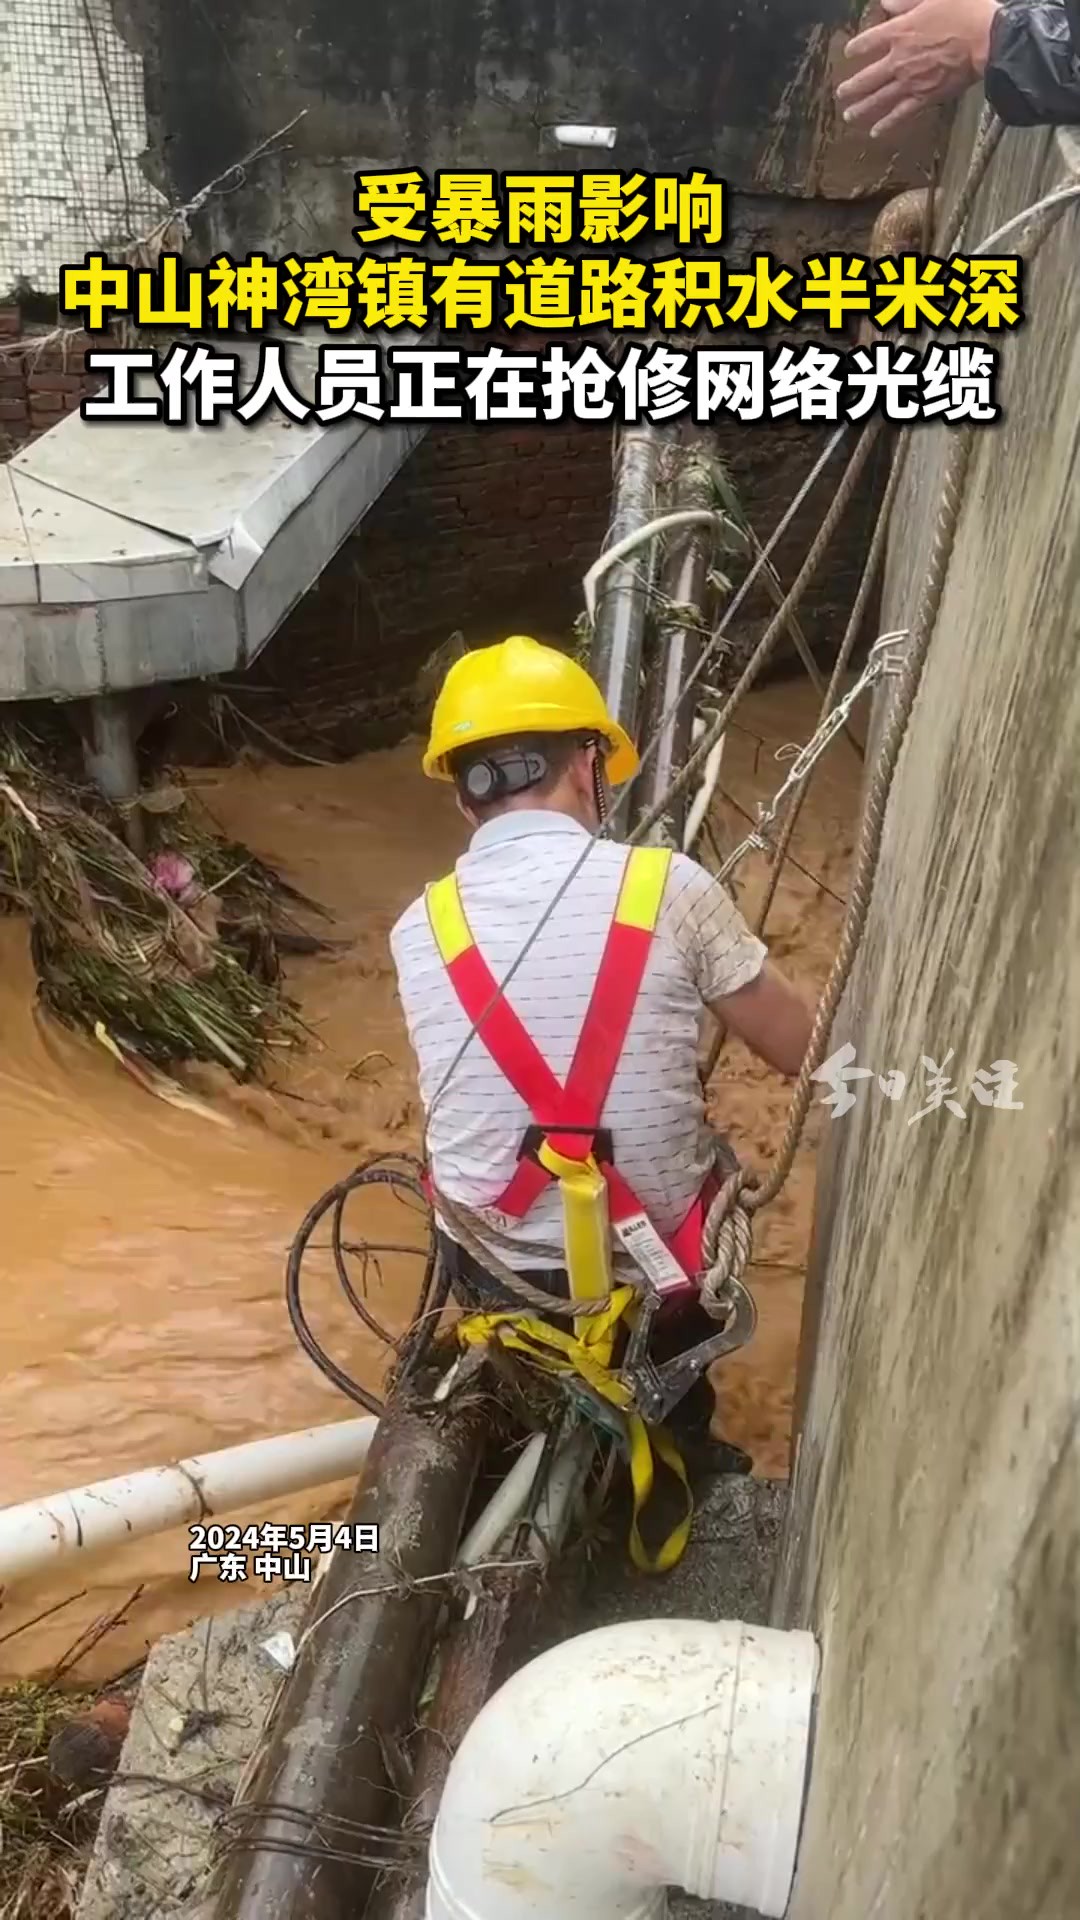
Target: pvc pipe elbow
(641, 1756)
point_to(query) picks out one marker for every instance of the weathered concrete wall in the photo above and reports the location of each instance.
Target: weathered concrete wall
(743, 90)
(934, 1534)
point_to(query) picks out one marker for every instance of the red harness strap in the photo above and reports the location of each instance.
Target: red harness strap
(578, 1106)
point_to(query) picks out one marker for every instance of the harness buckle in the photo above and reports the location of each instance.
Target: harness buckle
(534, 1137)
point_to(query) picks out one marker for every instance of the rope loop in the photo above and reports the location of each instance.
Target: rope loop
(727, 1242)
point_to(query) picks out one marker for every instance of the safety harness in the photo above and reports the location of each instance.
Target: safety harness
(566, 1143)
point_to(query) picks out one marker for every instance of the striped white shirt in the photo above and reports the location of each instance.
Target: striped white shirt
(702, 950)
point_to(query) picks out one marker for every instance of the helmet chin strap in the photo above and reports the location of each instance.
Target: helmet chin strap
(600, 788)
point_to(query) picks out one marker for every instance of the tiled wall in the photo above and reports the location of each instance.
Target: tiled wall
(72, 126)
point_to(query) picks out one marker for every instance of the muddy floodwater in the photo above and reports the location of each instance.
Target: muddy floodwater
(142, 1255)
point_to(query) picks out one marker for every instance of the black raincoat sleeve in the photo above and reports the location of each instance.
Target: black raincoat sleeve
(1032, 77)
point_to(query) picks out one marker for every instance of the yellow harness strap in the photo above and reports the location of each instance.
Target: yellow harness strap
(586, 1232)
(559, 1353)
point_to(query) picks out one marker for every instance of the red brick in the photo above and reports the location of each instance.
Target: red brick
(65, 355)
(46, 403)
(55, 382)
(10, 320)
(12, 410)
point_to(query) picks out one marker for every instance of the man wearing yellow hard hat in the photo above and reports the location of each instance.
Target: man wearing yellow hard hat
(584, 1067)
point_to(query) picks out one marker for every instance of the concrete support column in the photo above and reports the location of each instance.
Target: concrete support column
(109, 738)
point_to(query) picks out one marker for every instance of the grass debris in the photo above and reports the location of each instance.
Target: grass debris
(190, 977)
(44, 1838)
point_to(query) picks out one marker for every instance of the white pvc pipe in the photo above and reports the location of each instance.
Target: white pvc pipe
(506, 1506)
(109, 1512)
(511, 1497)
(647, 1755)
(555, 1507)
(585, 136)
(682, 517)
(703, 799)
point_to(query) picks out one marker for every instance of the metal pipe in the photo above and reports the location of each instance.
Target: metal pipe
(109, 1513)
(618, 635)
(477, 1656)
(684, 586)
(325, 1767)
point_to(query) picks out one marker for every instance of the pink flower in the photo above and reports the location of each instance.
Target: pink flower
(172, 873)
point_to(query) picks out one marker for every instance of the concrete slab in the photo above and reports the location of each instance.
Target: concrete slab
(17, 582)
(190, 481)
(82, 552)
(136, 553)
(203, 1700)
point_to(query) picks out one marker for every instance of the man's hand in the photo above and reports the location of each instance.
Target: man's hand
(925, 52)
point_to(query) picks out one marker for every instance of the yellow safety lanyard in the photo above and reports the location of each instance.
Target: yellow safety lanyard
(557, 1352)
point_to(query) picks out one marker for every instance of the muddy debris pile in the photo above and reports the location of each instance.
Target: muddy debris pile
(167, 959)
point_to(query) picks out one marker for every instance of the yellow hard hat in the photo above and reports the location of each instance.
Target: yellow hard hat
(520, 687)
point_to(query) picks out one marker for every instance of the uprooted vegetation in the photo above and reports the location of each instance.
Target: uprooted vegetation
(59, 1747)
(172, 958)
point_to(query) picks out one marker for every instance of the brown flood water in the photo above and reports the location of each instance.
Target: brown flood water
(142, 1313)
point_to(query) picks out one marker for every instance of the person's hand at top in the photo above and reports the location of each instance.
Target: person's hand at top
(925, 52)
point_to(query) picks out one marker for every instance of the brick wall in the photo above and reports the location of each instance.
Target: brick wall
(38, 384)
(489, 532)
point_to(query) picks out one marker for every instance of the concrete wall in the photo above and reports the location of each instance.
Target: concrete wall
(438, 83)
(89, 150)
(934, 1537)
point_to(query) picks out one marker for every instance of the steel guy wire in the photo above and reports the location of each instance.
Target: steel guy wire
(883, 660)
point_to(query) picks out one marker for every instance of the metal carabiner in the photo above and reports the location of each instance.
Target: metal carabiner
(657, 1389)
